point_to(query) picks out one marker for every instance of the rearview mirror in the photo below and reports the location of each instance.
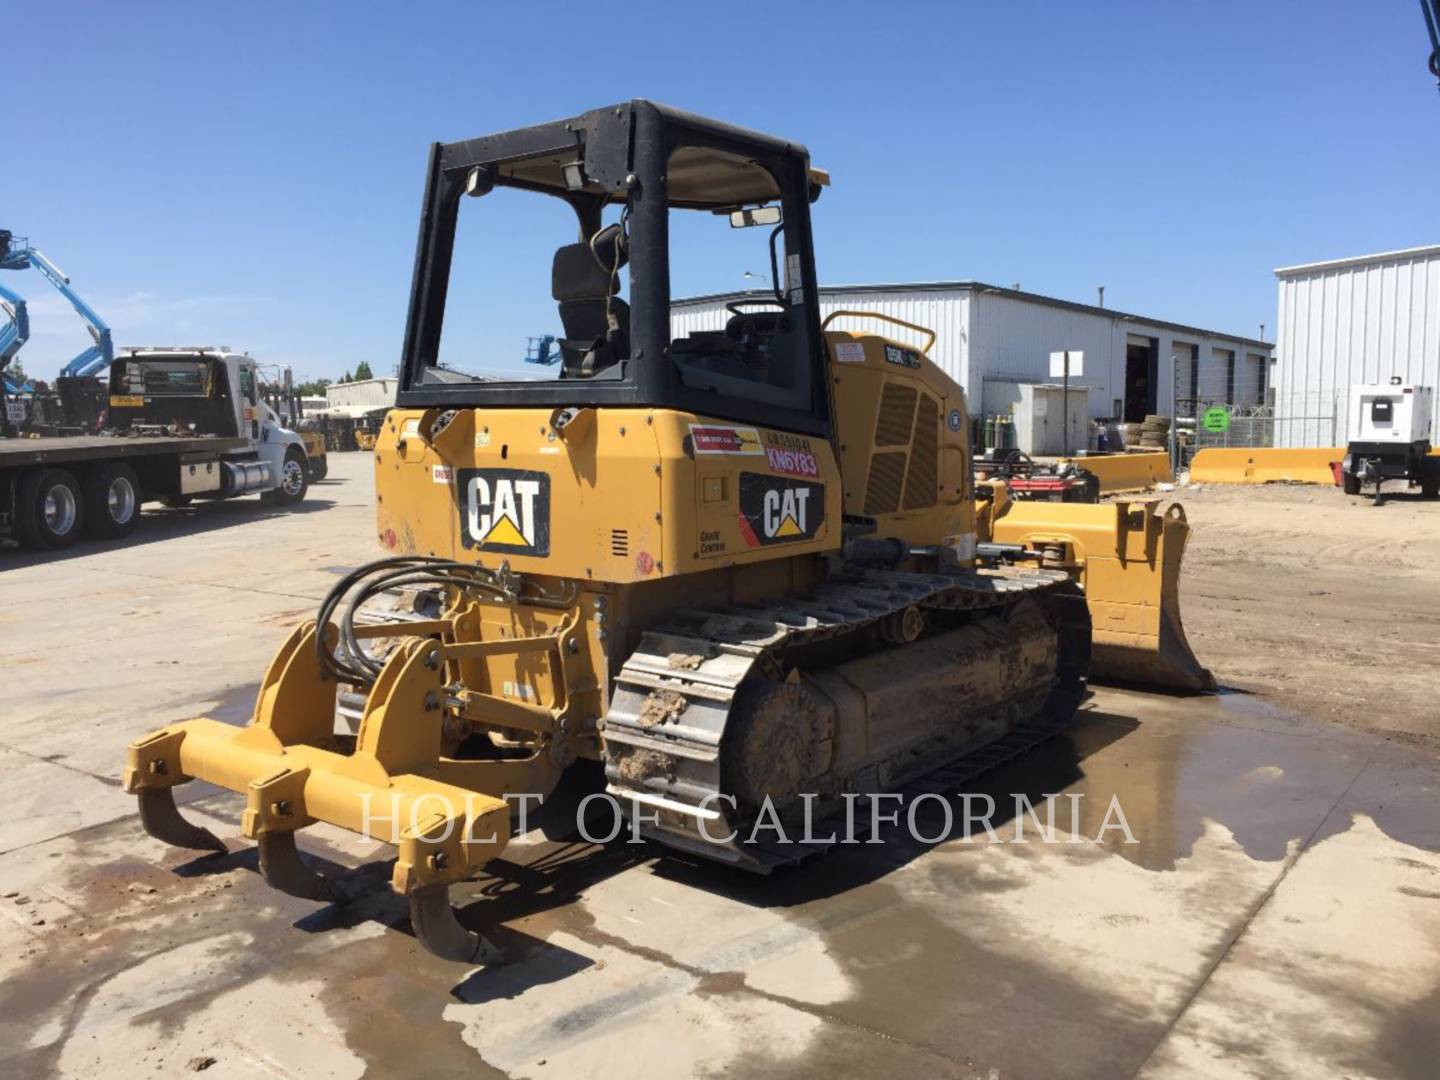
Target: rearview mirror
(479, 181)
(758, 215)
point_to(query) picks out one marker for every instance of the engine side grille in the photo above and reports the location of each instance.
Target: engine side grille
(887, 474)
(897, 413)
(619, 542)
(921, 481)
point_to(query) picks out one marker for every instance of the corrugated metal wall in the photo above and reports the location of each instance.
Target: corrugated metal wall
(1357, 321)
(1010, 337)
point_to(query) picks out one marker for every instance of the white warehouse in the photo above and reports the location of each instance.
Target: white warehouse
(994, 340)
(1366, 319)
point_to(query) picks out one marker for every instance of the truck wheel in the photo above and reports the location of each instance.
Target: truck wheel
(49, 511)
(1430, 487)
(294, 481)
(112, 501)
(1351, 483)
(318, 468)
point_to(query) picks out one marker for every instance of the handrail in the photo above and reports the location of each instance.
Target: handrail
(884, 318)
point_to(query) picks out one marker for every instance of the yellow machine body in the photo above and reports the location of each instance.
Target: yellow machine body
(583, 572)
(621, 516)
(638, 495)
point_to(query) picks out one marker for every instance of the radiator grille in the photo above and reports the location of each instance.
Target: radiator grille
(897, 412)
(887, 474)
(921, 481)
(619, 542)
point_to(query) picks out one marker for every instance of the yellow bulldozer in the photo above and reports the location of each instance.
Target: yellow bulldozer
(727, 573)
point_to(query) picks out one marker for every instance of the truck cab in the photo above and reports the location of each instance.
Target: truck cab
(182, 423)
(204, 392)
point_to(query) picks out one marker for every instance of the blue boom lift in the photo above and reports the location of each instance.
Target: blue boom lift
(17, 254)
(541, 350)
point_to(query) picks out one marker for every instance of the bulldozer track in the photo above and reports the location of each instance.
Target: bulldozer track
(673, 697)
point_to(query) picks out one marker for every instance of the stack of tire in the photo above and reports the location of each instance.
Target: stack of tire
(1154, 433)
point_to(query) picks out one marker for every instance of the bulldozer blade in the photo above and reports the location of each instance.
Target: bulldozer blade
(1126, 555)
(1170, 664)
(437, 928)
(283, 869)
(162, 820)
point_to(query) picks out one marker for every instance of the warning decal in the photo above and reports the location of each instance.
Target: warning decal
(714, 439)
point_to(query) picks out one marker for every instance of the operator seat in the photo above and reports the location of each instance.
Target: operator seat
(584, 280)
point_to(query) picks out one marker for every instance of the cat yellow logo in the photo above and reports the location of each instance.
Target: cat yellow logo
(787, 508)
(506, 510)
(505, 531)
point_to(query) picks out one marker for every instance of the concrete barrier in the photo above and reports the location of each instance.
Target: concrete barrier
(1265, 465)
(1127, 472)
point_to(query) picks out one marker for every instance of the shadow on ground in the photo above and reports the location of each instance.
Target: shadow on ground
(159, 523)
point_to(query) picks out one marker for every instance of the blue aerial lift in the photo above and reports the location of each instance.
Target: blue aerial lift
(541, 350)
(17, 254)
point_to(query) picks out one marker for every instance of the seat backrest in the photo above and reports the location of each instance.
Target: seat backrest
(763, 323)
(584, 286)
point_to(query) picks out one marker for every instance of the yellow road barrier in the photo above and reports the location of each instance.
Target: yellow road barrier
(1265, 465)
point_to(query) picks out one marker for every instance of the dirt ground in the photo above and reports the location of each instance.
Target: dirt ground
(1324, 603)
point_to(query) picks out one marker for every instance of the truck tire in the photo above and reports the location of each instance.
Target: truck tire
(318, 468)
(49, 509)
(112, 501)
(1430, 486)
(1351, 483)
(294, 480)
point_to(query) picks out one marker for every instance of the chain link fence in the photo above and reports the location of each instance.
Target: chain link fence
(1313, 418)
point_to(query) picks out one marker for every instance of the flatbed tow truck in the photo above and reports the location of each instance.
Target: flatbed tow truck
(184, 423)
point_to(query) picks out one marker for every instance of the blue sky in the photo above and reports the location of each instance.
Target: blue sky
(250, 175)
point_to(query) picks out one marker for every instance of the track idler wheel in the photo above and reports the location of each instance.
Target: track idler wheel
(162, 821)
(283, 869)
(437, 928)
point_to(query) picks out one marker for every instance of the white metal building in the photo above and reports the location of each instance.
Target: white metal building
(1359, 320)
(360, 395)
(993, 340)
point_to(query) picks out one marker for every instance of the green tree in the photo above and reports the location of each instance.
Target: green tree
(362, 371)
(345, 378)
(15, 372)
